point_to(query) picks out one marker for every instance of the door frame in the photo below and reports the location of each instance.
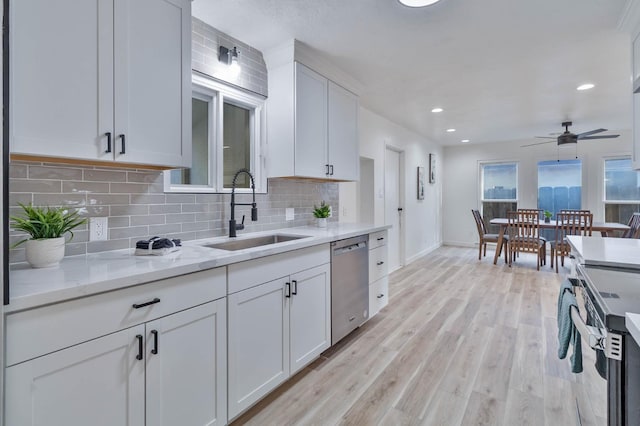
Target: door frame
(401, 199)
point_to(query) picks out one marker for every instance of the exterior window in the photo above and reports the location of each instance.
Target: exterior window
(227, 133)
(621, 190)
(559, 185)
(499, 188)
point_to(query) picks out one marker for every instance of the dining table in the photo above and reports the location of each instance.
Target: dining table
(603, 227)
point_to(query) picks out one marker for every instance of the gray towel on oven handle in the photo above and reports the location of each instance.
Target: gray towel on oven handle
(567, 331)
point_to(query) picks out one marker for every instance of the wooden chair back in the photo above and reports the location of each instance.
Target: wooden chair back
(573, 222)
(482, 229)
(524, 230)
(634, 227)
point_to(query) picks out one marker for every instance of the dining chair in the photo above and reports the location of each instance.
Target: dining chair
(634, 227)
(569, 222)
(541, 233)
(524, 235)
(485, 237)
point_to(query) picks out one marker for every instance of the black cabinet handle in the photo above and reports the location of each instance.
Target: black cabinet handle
(380, 263)
(380, 296)
(108, 135)
(123, 150)
(155, 342)
(139, 356)
(287, 292)
(327, 171)
(331, 168)
(295, 287)
(142, 305)
(381, 238)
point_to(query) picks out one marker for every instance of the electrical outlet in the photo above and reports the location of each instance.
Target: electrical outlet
(98, 228)
(330, 212)
(289, 213)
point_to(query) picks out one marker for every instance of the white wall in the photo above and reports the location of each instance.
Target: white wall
(422, 218)
(461, 177)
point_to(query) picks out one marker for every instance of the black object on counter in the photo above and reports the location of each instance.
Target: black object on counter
(158, 243)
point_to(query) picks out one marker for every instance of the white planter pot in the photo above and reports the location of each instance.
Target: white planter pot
(322, 222)
(45, 253)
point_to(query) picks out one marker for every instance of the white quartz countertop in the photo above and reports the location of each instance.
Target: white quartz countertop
(607, 251)
(632, 322)
(79, 276)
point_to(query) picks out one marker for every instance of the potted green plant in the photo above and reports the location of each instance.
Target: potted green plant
(46, 226)
(321, 213)
(547, 216)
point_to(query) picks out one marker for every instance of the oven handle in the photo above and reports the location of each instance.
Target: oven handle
(593, 334)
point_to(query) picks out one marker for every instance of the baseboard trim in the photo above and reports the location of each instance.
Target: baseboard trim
(423, 253)
(461, 244)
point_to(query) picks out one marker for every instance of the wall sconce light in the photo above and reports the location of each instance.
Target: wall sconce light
(230, 57)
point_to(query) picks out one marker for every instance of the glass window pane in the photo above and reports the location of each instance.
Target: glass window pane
(236, 144)
(494, 209)
(620, 213)
(500, 181)
(622, 183)
(559, 185)
(198, 174)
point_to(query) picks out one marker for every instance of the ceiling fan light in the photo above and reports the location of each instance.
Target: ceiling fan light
(418, 3)
(586, 86)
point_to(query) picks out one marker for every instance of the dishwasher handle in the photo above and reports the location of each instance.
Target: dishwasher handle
(350, 248)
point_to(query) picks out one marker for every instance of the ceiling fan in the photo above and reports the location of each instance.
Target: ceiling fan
(567, 137)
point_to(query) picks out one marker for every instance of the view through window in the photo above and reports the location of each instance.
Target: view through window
(559, 185)
(499, 188)
(621, 190)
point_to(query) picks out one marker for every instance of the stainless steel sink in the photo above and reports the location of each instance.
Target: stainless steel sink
(254, 242)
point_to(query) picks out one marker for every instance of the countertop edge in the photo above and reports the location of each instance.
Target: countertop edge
(632, 322)
(213, 259)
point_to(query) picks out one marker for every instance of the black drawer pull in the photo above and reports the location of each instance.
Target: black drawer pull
(295, 287)
(142, 305)
(108, 135)
(155, 342)
(380, 263)
(123, 146)
(327, 171)
(380, 296)
(331, 168)
(381, 238)
(287, 292)
(139, 356)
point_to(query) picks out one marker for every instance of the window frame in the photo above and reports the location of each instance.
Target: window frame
(605, 201)
(216, 94)
(482, 164)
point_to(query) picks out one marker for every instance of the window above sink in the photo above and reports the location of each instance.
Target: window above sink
(228, 127)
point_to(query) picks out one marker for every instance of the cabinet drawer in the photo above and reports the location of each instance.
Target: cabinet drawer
(248, 274)
(377, 239)
(43, 330)
(378, 295)
(378, 267)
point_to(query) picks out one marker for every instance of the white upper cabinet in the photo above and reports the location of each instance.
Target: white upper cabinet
(312, 126)
(105, 80)
(344, 154)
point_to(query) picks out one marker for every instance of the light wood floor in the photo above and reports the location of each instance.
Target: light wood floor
(462, 342)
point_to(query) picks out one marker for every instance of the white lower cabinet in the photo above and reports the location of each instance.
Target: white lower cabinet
(275, 329)
(167, 368)
(98, 383)
(378, 272)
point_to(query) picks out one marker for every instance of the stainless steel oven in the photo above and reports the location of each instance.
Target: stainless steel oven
(608, 294)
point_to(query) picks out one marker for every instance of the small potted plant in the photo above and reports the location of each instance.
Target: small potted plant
(321, 213)
(46, 226)
(547, 216)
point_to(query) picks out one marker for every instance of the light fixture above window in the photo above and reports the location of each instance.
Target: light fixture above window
(418, 3)
(230, 57)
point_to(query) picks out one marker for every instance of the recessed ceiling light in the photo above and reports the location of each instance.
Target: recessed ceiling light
(437, 110)
(465, 140)
(418, 3)
(451, 130)
(586, 86)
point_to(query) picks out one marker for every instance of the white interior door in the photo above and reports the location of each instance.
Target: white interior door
(392, 205)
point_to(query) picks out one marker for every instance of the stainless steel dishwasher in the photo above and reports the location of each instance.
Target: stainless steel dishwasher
(349, 285)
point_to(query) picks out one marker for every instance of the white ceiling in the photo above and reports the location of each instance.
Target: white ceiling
(501, 69)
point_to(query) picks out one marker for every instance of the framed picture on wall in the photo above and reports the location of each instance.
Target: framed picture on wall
(432, 168)
(420, 183)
